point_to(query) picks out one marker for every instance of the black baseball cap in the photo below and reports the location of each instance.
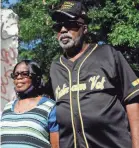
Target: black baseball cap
(70, 10)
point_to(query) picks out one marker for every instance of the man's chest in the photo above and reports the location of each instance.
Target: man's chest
(89, 78)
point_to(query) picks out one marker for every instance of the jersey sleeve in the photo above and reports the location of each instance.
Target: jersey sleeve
(52, 123)
(128, 80)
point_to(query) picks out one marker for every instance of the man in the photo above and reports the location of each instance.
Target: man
(95, 88)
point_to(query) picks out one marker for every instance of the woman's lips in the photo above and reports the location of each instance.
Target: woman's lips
(19, 84)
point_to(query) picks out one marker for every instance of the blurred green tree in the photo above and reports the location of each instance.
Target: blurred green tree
(114, 22)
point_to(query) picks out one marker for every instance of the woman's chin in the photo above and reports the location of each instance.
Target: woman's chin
(20, 89)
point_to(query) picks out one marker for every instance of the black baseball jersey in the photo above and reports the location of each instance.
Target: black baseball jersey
(91, 94)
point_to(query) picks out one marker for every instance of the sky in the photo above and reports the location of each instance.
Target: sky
(13, 1)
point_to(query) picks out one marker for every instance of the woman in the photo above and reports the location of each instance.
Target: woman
(30, 120)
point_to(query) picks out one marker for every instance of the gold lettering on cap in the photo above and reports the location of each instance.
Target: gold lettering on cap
(67, 5)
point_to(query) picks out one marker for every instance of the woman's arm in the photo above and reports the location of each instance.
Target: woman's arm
(54, 139)
(133, 116)
(53, 129)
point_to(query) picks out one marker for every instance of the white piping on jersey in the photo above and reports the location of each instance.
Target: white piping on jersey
(78, 102)
(71, 108)
(131, 94)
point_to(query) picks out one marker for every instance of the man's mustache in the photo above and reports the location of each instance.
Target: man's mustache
(65, 35)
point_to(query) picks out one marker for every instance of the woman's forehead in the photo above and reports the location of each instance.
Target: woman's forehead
(21, 67)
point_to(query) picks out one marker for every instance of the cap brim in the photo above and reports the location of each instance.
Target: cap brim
(59, 14)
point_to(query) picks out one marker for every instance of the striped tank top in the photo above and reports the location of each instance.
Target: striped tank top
(26, 130)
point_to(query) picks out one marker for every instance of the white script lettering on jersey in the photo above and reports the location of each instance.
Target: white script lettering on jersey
(97, 83)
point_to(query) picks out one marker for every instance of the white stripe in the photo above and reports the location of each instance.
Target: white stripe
(44, 107)
(8, 105)
(23, 123)
(29, 133)
(50, 104)
(16, 146)
(131, 94)
(72, 16)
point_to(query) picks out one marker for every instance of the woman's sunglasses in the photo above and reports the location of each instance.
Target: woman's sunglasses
(23, 74)
(68, 25)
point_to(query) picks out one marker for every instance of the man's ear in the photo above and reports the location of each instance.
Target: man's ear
(85, 29)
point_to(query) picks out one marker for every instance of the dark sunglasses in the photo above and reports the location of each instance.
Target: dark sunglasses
(68, 25)
(23, 74)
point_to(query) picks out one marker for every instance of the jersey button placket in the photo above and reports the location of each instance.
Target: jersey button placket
(74, 81)
(79, 132)
(76, 114)
(74, 96)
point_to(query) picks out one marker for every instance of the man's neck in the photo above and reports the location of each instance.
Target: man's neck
(74, 56)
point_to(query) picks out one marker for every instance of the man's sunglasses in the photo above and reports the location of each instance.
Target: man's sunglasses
(68, 25)
(23, 74)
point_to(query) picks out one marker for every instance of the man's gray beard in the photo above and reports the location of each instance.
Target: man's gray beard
(71, 43)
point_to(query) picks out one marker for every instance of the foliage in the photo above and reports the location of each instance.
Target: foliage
(112, 21)
(35, 24)
(116, 22)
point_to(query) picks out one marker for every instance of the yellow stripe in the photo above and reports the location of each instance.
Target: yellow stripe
(79, 97)
(71, 108)
(136, 82)
(131, 94)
